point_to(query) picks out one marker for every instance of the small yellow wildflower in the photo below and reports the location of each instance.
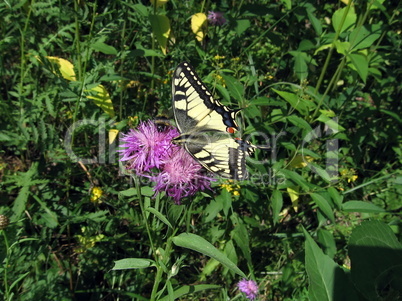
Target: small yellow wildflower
(87, 242)
(219, 79)
(236, 59)
(219, 57)
(349, 174)
(234, 189)
(96, 194)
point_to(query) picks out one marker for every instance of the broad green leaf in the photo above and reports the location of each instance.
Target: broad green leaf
(133, 263)
(347, 17)
(364, 36)
(299, 122)
(360, 206)
(240, 235)
(212, 209)
(276, 205)
(161, 29)
(324, 206)
(160, 216)
(331, 123)
(323, 173)
(327, 242)
(336, 197)
(296, 179)
(235, 88)
(65, 67)
(315, 22)
(323, 47)
(376, 260)
(104, 48)
(242, 26)
(199, 244)
(360, 64)
(342, 47)
(129, 192)
(25, 181)
(327, 281)
(102, 99)
(199, 25)
(300, 66)
(190, 289)
(303, 106)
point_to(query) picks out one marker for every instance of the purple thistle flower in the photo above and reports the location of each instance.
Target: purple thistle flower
(181, 176)
(249, 287)
(216, 18)
(146, 147)
(150, 147)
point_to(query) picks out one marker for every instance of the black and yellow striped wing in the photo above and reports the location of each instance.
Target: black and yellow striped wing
(205, 126)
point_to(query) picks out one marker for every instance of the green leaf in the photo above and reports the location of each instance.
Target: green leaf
(347, 17)
(190, 289)
(336, 197)
(161, 29)
(323, 205)
(240, 235)
(360, 206)
(360, 64)
(332, 123)
(342, 47)
(300, 66)
(299, 122)
(235, 88)
(104, 48)
(376, 259)
(327, 281)
(242, 26)
(25, 180)
(276, 204)
(133, 263)
(160, 216)
(199, 244)
(296, 179)
(102, 99)
(327, 242)
(304, 106)
(364, 36)
(315, 22)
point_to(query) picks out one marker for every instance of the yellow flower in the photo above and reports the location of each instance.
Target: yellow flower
(234, 189)
(87, 242)
(219, 79)
(96, 194)
(349, 174)
(219, 57)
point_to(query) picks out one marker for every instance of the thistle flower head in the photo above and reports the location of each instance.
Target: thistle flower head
(181, 176)
(146, 147)
(216, 18)
(150, 152)
(249, 287)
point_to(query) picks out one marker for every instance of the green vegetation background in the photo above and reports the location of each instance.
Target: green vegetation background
(323, 81)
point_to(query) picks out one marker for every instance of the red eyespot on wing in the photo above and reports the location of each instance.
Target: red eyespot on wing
(231, 130)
